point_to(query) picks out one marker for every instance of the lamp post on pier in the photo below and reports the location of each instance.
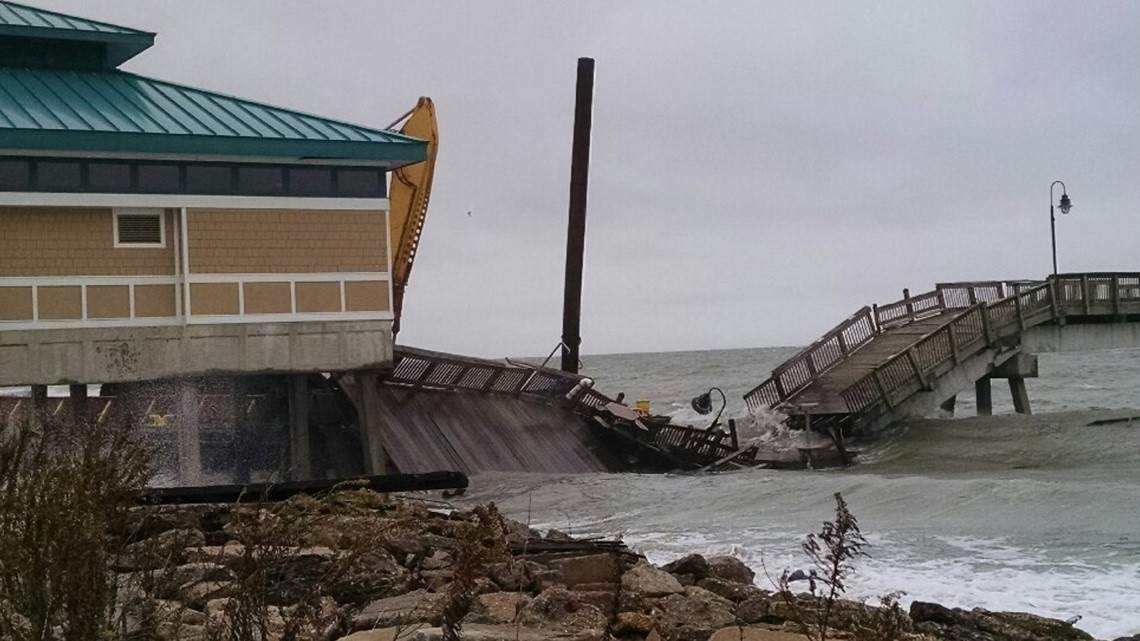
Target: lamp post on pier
(1066, 205)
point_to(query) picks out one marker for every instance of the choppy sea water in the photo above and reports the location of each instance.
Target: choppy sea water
(1032, 513)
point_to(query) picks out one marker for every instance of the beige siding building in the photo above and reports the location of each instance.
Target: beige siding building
(152, 230)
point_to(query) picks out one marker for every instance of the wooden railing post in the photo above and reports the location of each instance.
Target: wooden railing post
(1085, 294)
(917, 371)
(909, 305)
(1053, 299)
(987, 329)
(1020, 315)
(883, 389)
(1115, 293)
(954, 342)
(971, 295)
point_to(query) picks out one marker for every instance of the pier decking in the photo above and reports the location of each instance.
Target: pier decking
(886, 363)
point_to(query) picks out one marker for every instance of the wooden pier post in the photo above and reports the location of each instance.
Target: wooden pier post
(300, 459)
(189, 438)
(576, 228)
(1020, 396)
(984, 394)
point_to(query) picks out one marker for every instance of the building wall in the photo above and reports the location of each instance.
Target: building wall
(76, 241)
(278, 262)
(267, 241)
(59, 267)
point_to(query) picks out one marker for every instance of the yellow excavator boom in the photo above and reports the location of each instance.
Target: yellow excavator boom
(408, 196)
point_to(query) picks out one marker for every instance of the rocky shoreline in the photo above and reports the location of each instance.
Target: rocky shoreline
(357, 566)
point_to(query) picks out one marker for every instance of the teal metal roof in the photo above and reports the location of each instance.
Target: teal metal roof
(115, 111)
(80, 40)
(23, 16)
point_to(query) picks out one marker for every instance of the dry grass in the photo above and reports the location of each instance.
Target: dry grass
(64, 493)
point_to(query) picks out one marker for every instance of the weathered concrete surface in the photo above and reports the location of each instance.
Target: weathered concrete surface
(123, 354)
(1080, 337)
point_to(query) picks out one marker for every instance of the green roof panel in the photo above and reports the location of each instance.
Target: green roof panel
(114, 111)
(70, 40)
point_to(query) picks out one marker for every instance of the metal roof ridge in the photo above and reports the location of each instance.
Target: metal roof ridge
(294, 112)
(68, 18)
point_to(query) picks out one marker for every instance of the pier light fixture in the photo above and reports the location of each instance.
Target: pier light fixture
(1066, 205)
(703, 404)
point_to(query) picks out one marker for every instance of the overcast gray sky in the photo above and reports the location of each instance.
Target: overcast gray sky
(759, 170)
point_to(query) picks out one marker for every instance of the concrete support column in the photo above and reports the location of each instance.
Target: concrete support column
(300, 458)
(236, 413)
(1020, 396)
(189, 439)
(37, 414)
(984, 394)
(372, 425)
(948, 405)
(78, 394)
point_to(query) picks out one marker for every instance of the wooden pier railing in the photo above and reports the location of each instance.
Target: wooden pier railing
(860, 328)
(426, 369)
(799, 371)
(988, 320)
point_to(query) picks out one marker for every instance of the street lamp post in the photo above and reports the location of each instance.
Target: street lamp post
(1066, 205)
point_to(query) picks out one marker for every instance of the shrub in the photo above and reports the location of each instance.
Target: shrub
(65, 491)
(832, 553)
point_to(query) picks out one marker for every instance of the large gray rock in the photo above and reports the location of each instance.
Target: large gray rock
(160, 551)
(594, 568)
(515, 576)
(731, 590)
(983, 625)
(497, 607)
(692, 616)
(754, 609)
(477, 632)
(419, 606)
(692, 564)
(366, 577)
(735, 633)
(226, 554)
(196, 595)
(731, 568)
(561, 608)
(645, 580)
(168, 582)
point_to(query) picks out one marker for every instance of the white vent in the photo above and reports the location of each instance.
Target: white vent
(139, 228)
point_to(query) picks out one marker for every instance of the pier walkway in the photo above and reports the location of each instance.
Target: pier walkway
(886, 363)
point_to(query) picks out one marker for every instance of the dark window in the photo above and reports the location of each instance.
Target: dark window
(260, 180)
(57, 176)
(159, 179)
(209, 179)
(109, 177)
(14, 174)
(358, 182)
(310, 182)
